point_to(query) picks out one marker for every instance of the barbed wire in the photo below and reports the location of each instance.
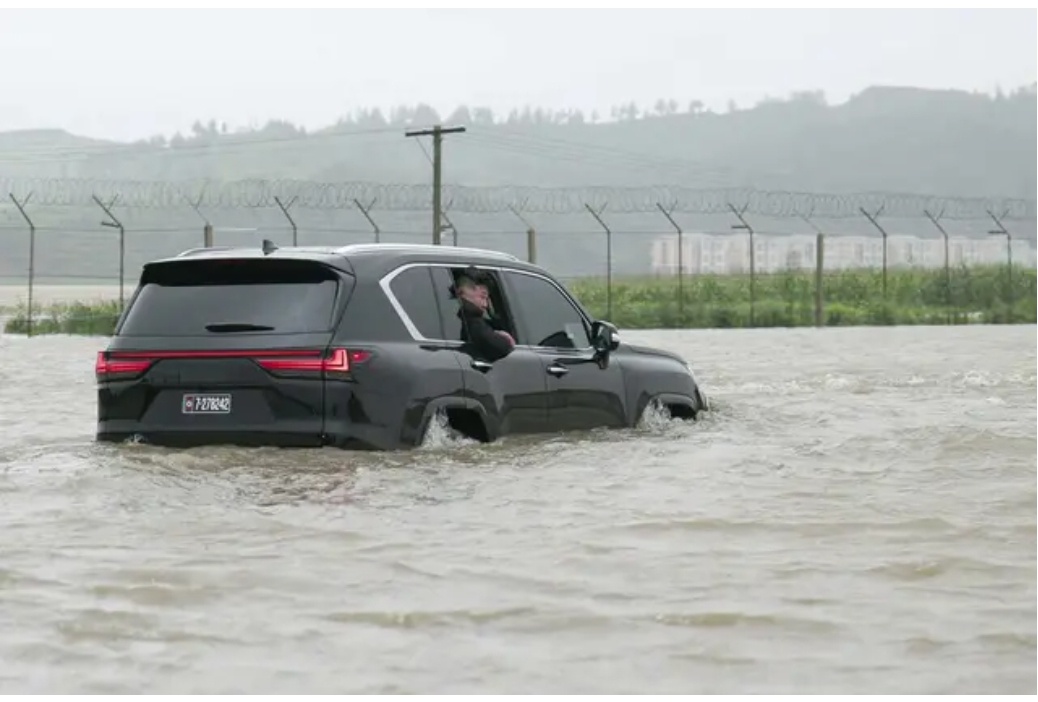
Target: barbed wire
(57, 192)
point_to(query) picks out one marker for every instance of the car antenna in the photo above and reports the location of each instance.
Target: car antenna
(269, 247)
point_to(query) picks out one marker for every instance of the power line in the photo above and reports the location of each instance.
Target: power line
(225, 142)
(502, 139)
(584, 152)
(687, 173)
(703, 176)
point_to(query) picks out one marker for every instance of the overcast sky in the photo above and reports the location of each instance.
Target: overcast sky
(131, 74)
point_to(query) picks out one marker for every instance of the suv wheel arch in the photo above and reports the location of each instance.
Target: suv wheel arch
(464, 415)
(678, 406)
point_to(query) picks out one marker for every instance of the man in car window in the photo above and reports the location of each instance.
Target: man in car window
(477, 326)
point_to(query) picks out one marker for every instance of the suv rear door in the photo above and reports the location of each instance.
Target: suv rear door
(224, 350)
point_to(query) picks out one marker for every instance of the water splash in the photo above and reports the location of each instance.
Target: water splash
(655, 418)
(440, 435)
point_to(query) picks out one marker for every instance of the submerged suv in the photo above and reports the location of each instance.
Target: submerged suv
(360, 347)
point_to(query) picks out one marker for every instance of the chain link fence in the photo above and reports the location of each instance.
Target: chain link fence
(662, 269)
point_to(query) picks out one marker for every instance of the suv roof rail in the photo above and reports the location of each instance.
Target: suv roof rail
(268, 247)
(202, 249)
(424, 248)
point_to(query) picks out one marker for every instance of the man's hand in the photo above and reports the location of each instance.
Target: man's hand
(507, 336)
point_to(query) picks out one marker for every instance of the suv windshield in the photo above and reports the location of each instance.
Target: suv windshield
(197, 298)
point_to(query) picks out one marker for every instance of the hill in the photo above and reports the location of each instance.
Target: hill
(885, 138)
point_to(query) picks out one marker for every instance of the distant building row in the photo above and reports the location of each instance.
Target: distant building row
(726, 253)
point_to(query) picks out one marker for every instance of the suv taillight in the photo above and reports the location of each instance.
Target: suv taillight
(133, 363)
(339, 360)
(105, 366)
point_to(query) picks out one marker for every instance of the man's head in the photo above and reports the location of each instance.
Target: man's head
(473, 290)
(471, 285)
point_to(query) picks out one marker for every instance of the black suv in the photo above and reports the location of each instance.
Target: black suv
(360, 347)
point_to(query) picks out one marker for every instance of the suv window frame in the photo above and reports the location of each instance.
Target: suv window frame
(399, 308)
(525, 313)
(515, 309)
(448, 305)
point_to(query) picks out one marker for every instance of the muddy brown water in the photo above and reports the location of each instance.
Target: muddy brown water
(856, 515)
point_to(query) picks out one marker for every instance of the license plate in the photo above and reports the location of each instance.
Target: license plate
(206, 404)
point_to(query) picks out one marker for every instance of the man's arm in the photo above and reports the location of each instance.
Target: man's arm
(486, 339)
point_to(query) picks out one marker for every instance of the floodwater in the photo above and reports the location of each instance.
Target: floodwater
(857, 515)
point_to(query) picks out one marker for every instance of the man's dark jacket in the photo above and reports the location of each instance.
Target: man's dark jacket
(479, 332)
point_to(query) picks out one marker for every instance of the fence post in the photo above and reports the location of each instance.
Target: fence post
(753, 266)
(292, 222)
(1002, 231)
(116, 224)
(819, 272)
(947, 260)
(609, 256)
(819, 279)
(449, 223)
(32, 254)
(531, 235)
(366, 211)
(681, 259)
(877, 225)
(207, 229)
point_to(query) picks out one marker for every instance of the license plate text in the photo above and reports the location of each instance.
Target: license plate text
(206, 404)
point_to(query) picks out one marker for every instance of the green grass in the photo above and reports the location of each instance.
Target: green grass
(81, 318)
(787, 299)
(976, 295)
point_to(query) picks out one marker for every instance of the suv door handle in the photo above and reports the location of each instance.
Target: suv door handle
(558, 370)
(482, 365)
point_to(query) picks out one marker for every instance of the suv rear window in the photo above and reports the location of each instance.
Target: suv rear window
(191, 298)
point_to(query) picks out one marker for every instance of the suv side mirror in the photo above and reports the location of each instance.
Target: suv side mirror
(604, 338)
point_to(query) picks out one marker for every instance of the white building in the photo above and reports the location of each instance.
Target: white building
(730, 253)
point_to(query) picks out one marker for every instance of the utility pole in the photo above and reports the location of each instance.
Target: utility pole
(436, 133)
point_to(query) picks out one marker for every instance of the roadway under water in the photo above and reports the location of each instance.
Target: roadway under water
(858, 514)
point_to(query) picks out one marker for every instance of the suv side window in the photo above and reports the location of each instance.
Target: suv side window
(448, 306)
(413, 290)
(550, 318)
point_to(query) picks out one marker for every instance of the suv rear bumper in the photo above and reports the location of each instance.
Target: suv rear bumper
(189, 439)
(345, 436)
